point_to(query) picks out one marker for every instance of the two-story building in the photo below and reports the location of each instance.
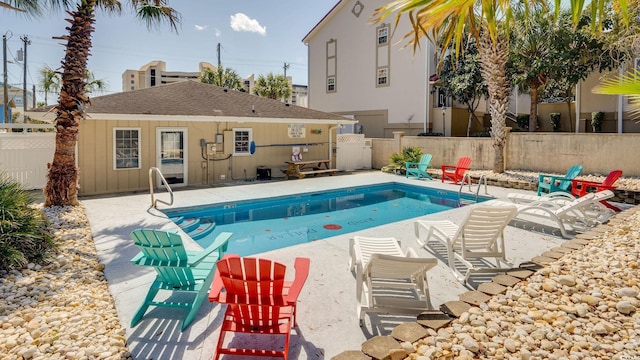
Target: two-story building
(363, 70)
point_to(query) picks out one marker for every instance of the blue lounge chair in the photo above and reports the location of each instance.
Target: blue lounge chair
(177, 269)
(419, 169)
(552, 183)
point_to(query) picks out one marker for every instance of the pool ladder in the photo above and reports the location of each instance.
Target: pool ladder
(154, 201)
(467, 177)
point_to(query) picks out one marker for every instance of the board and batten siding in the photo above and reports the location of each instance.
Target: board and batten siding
(273, 148)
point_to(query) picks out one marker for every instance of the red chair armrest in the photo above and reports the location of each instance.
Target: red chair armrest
(301, 266)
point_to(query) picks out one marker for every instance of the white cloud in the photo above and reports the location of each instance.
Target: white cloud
(217, 32)
(241, 22)
(201, 27)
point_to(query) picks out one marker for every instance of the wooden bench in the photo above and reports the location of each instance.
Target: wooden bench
(320, 171)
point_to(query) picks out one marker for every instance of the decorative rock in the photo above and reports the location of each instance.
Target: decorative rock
(491, 288)
(627, 291)
(455, 308)
(470, 344)
(625, 307)
(474, 297)
(506, 280)
(409, 332)
(351, 355)
(379, 347)
(567, 280)
(434, 319)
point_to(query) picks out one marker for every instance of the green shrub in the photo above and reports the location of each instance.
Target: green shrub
(23, 230)
(596, 120)
(409, 154)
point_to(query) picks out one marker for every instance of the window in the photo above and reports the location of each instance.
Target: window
(331, 84)
(331, 65)
(383, 35)
(242, 141)
(132, 76)
(382, 76)
(126, 148)
(153, 77)
(133, 88)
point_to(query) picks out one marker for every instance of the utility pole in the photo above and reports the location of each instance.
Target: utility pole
(34, 96)
(26, 42)
(218, 50)
(285, 67)
(5, 109)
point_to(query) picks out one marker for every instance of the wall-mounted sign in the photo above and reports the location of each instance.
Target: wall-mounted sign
(296, 131)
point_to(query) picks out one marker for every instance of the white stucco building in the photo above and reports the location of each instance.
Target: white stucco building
(361, 69)
(357, 68)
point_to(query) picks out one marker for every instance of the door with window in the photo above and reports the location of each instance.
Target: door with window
(172, 155)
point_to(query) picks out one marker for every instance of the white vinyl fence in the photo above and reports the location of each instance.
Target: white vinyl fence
(24, 155)
(353, 152)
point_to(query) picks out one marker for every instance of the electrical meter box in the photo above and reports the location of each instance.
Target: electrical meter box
(212, 148)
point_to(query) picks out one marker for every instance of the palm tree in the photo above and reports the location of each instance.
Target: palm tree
(61, 188)
(223, 77)
(272, 86)
(93, 85)
(49, 81)
(488, 21)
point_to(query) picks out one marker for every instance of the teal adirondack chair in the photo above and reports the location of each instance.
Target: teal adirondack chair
(552, 183)
(177, 269)
(419, 169)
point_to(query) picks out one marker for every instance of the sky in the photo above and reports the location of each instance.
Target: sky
(256, 37)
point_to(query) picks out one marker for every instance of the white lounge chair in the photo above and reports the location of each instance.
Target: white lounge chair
(524, 198)
(480, 236)
(388, 280)
(577, 215)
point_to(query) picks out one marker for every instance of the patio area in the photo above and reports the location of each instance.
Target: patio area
(327, 305)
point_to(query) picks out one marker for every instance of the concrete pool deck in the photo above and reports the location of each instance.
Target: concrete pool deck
(327, 321)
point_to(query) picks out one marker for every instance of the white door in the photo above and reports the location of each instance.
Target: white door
(172, 155)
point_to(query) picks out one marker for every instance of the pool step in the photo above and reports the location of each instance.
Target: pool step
(194, 227)
(205, 227)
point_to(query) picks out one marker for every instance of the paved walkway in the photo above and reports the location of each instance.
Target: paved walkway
(327, 309)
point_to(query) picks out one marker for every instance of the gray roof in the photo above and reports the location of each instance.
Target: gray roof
(195, 98)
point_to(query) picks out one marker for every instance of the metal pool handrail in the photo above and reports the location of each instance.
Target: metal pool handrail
(468, 177)
(154, 201)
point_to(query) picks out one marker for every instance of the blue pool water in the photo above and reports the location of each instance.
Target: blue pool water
(272, 223)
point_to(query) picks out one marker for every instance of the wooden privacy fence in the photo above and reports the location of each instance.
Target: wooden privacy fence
(24, 155)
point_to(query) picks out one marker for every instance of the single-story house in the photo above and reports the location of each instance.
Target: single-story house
(196, 134)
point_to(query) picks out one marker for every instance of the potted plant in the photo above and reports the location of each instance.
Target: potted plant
(596, 120)
(555, 121)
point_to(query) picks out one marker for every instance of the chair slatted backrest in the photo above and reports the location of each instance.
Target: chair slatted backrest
(461, 167)
(478, 235)
(166, 253)
(424, 163)
(255, 289)
(571, 174)
(577, 204)
(611, 178)
(398, 267)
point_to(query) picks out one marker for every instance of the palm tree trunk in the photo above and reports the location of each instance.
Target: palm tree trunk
(494, 56)
(62, 184)
(533, 109)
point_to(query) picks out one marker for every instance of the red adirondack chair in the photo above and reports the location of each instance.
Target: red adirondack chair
(456, 173)
(259, 301)
(580, 188)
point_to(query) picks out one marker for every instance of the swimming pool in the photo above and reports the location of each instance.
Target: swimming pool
(265, 224)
